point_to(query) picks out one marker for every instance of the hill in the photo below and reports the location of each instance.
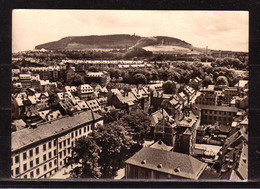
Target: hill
(122, 41)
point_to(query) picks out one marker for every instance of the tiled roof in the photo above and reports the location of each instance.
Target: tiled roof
(160, 145)
(45, 130)
(173, 163)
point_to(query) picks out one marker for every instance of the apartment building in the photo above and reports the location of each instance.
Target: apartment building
(222, 114)
(41, 150)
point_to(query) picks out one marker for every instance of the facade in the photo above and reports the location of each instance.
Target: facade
(85, 91)
(39, 151)
(212, 114)
(207, 99)
(229, 93)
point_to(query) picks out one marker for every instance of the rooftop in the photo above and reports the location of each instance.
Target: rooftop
(172, 163)
(45, 130)
(218, 108)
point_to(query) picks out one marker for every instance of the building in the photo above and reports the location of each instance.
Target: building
(152, 163)
(118, 100)
(208, 98)
(186, 131)
(85, 92)
(233, 157)
(222, 114)
(40, 150)
(25, 80)
(229, 93)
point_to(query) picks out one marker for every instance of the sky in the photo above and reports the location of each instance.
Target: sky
(219, 30)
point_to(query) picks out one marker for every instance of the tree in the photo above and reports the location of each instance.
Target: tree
(169, 87)
(53, 100)
(140, 79)
(115, 143)
(222, 80)
(207, 81)
(84, 159)
(76, 79)
(137, 123)
(102, 153)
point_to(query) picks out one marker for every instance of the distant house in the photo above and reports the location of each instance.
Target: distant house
(42, 100)
(121, 101)
(64, 96)
(85, 92)
(71, 89)
(25, 80)
(195, 83)
(67, 107)
(93, 105)
(208, 98)
(152, 163)
(229, 93)
(189, 92)
(102, 102)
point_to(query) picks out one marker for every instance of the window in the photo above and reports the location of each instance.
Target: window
(44, 157)
(49, 155)
(72, 135)
(31, 174)
(37, 150)
(17, 171)
(64, 143)
(44, 147)
(16, 159)
(60, 154)
(38, 171)
(146, 174)
(72, 143)
(55, 162)
(68, 150)
(54, 142)
(44, 167)
(31, 164)
(76, 133)
(49, 145)
(68, 141)
(136, 172)
(37, 161)
(88, 127)
(64, 152)
(25, 176)
(85, 129)
(50, 165)
(25, 167)
(60, 145)
(24, 156)
(79, 131)
(54, 152)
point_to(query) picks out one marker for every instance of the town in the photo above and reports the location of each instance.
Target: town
(164, 117)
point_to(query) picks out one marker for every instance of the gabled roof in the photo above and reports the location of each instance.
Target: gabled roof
(241, 83)
(45, 130)
(160, 145)
(158, 115)
(172, 163)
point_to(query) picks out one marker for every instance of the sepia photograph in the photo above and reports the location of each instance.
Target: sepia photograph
(129, 95)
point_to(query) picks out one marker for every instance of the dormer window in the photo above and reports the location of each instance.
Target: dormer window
(177, 170)
(159, 166)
